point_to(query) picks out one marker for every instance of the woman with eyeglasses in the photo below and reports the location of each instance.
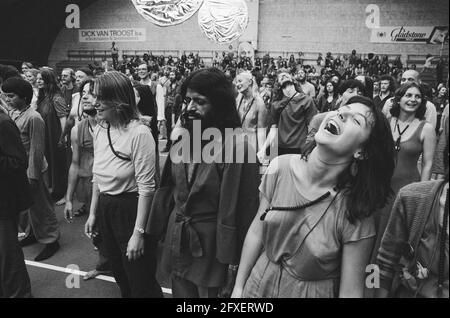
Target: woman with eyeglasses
(123, 186)
(413, 137)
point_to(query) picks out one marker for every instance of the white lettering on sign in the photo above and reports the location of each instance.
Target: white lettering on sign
(373, 18)
(73, 19)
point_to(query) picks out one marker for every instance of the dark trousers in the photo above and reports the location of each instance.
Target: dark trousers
(103, 263)
(287, 151)
(117, 217)
(40, 220)
(183, 288)
(14, 279)
(168, 115)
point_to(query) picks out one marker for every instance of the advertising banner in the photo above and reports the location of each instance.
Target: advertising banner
(407, 34)
(112, 35)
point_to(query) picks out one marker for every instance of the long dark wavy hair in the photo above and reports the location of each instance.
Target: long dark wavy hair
(335, 89)
(213, 84)
(51, 87)
(370, 188)
(400, 92)
(391, 80)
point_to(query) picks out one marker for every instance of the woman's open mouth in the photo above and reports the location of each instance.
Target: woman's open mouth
(333, 128)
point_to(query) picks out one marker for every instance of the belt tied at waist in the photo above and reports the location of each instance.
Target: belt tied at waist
(183, 222)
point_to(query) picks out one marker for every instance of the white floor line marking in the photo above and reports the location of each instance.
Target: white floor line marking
(80, 273)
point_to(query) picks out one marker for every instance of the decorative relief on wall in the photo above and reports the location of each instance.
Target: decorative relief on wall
(167, 12)
(223, 21)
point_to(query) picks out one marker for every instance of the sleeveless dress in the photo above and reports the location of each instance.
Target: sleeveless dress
(405, 173)
(302, 251)
(248, 115)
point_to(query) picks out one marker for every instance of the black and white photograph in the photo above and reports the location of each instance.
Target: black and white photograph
(236, 151)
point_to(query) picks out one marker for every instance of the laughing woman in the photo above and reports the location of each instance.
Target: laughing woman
(413, 137)
(123, 186)
(314, 230)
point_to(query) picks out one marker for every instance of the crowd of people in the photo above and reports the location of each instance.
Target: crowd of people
(340, 170)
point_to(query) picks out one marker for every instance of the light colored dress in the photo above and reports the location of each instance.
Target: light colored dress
(302, 251)
(160, 101)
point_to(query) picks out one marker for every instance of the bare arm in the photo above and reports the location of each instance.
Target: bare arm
(69, 124)
(251, 250)
(428, 138)
(273, 134)
(89, 226)
(355, 258)
(74, 166)
(262, 123)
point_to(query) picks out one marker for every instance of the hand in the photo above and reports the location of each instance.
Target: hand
(146, 120)
(135, 248)
(68, 211)
(225, 291)
(89, 226)
(262, 156)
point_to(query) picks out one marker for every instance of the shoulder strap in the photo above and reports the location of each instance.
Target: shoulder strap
(108, 131)
(287, 104)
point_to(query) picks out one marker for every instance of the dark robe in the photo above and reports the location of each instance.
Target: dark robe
(15, 194)
(208, 224)
(51, 110)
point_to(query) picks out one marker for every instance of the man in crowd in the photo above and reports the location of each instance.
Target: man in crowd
(290, 119)
(15, 196)
(387, 90)
(114, 55)
(41, 215)
(214, 201)
(76, 110)
(144, 75)
(173, 99)
(67, 85)
(306, 86)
